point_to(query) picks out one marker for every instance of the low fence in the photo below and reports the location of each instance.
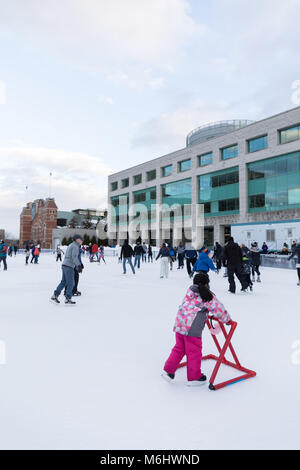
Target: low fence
(278, 261)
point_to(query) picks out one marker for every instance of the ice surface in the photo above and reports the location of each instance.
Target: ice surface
(88, 377)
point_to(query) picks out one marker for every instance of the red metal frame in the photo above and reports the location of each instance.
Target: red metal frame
(221, 358)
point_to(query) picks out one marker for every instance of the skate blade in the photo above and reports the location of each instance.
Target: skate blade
(166, 377)
(195, 383)
(53, 302)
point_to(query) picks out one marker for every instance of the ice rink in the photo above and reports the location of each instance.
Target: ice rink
(88, 377)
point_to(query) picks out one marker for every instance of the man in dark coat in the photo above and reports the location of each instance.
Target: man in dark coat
(234, 258)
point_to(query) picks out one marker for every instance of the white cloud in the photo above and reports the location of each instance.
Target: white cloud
(2, 92)
(147, 31)
(79, 180)
(105, 100)
(137, 79)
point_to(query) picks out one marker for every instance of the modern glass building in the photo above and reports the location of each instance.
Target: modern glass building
(240, 171)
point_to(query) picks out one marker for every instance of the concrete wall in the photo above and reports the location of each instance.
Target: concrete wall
(268, 126)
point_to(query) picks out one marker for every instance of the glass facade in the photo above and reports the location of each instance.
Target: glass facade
(137, 179)
(289, 134)
(166, 170)
(147, 197)
(219, 192)
(274, 183)
(120, 203)
(258, 143)
(125, 183)
(179, 192)
(229, 152)
(151, 175)
(205, 159)
(184, 165)
(114, 186)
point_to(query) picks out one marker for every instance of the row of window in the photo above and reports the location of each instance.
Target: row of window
(253, 145)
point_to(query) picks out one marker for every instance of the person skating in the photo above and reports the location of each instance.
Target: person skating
(296, 253)
(27, 254)
(3, 254)
(246, 268)
(144, 255)
(71, 261)
(190, 321)
(138, 253)
(264, 248)
(32, 253)
(150, 254)
(255, 261)
(10, 250)
(94, 252)
(101, 254)
(217, 256)
(171, 256)
(204, 263)
(126, 255)
(36, 254)
(164, 254)
(190, 255)
(233, 256)
(59, 252)
(180, 255)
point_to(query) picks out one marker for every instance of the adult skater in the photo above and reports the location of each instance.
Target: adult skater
(27, 254)
(3, 254)
(126, 255)
(150, 254)
(189, 324)
(71, 261)
(190, 255)
(171, 256)
(217, 256)
(59, 252)
(10, 250)
(264, 248)
(180, 255)
(296, 253)
(144, 255)
(164, 254)
(255, 261)
(138, 253)
(233, 256)
(204, 262)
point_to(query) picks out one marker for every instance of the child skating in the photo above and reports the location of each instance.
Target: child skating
(197, 304)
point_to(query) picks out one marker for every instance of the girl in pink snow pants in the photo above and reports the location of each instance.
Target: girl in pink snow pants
(190, 321)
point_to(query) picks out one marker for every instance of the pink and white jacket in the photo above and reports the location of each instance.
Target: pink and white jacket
(193, 312)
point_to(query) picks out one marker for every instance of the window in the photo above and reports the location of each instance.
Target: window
(224, 179)
(151, 175)
(139, 197)
(207, 207)
(125, 183)
(258, 143)
(229, 152)
(257, 201)
(166, 170)
(270, 235)
(184, 165)
(137, 179)
(289, 134)
(205, 159)
(114, 186)
(153, 194)
(229, 205)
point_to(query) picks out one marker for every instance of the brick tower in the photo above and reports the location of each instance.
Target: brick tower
(37, 220)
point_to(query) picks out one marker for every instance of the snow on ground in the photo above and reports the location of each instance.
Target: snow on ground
(88, 377)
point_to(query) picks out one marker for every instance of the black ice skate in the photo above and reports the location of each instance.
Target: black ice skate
(168, 377)
(69, 302)
(54, 299)
(77, 293)
(197, 383)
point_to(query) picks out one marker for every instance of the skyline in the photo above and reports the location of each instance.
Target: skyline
(90, 89)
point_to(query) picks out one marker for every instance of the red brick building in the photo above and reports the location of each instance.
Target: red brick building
(37, 220)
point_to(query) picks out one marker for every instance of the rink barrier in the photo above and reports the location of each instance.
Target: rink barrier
(220, 359)
(278, 261)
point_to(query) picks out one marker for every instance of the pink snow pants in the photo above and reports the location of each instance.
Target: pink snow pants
(192, 348)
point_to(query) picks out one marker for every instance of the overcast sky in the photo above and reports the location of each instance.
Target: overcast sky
(89, 87)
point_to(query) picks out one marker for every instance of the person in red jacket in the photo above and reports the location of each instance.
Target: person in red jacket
(94, 252)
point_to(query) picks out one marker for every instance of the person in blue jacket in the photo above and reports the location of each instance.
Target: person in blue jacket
(204, 262)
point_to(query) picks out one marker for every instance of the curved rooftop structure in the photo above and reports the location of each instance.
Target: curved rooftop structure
(214, 129)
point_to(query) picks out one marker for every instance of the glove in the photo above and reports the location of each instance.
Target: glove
(82, 266)
(79, 269)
